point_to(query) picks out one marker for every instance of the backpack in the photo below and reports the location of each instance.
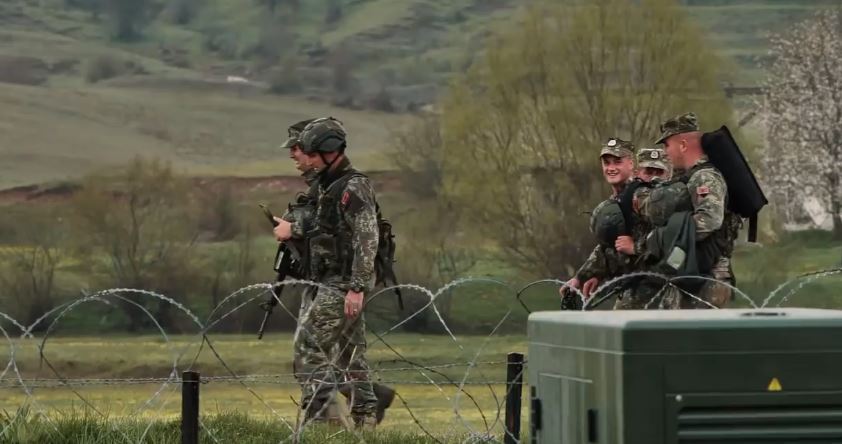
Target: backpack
(744, 194)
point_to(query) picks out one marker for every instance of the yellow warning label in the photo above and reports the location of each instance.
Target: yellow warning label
(774, 385)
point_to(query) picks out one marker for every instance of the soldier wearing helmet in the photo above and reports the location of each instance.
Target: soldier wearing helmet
(342, 250)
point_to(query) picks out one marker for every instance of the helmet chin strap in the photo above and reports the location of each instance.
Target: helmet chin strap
(328, 165)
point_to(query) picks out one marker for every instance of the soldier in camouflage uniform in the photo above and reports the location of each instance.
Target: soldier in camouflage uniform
(652, 166)
(716, 226)
(616, 156)
(330, 340)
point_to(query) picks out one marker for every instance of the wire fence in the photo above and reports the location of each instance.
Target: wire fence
(465, 397)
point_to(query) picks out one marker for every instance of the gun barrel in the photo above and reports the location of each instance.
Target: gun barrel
(263, 325)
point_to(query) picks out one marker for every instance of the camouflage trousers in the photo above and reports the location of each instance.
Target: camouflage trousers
(329, 352)
(641, 297)
(712, 294)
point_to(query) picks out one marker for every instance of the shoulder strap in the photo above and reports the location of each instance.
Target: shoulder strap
(339, 184)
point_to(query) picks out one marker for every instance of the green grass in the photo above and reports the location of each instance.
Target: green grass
(129, 406)
(87, 428)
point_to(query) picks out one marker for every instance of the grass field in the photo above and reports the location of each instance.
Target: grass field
(86, 429)
(434, 407)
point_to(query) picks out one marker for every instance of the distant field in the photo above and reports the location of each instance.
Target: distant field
(66, 127)
(56, 133)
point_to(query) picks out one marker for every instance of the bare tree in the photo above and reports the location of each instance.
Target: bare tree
(803, 111)
(138, 228)
(27, 279)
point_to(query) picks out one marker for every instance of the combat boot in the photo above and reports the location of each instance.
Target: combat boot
(385, 396)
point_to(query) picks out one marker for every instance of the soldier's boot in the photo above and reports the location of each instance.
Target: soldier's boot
(385, 397)
(364, 422)
(327, 411)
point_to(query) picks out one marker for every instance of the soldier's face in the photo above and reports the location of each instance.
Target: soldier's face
(302, 162)
(675, 147)
(648, 173)
(617, 170)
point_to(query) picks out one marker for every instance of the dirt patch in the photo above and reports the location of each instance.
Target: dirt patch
(388, 181)
(23, 70)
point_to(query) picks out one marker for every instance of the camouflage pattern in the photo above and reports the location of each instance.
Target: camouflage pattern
(655, 205)
(617, 148)
(705, 194)
(682, 123)
(342, 253)
(323, 135)
(607, 222)
(708, 192)
(293, 132)
(330, 350)
(604, 261)
(296, 128)
(652, 158)
(302, 211)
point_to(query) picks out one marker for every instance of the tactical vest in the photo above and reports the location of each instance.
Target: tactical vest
(333, 235)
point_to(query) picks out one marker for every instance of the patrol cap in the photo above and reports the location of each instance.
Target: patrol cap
(682, 123)
(652, 158)
(293, 132)
(617, 148)
(298, 127)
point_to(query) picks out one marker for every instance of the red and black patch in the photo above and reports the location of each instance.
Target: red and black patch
(346, 197)
(703, 190)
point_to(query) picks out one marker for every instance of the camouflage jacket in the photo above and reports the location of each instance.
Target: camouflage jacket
(708, 194)
(344, 245)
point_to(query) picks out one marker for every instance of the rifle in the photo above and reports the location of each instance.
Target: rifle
(286, 264)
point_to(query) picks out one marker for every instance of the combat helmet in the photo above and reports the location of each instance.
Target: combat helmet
(607, 222)
(323, 135)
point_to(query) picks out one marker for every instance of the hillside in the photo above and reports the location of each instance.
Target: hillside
(74, 97)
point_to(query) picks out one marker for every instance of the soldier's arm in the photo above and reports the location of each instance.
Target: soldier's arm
(595, 266)
(360, 213)
(707, 192)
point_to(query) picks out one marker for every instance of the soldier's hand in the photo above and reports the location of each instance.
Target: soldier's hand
(572, 283)
(589, 287)
(353, 304)
(625, 245)
(283, 231)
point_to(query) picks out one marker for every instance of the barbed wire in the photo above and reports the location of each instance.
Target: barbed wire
(467, 374)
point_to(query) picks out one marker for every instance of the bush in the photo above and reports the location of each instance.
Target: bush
(285, 79)
(106, 67)
(382, 101)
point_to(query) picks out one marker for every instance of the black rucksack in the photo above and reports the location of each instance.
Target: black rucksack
(744, 194)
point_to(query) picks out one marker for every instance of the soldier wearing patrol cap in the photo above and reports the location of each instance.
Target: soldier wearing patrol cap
(715, 225)
(651, 164)
(652, 168)
(617, 159)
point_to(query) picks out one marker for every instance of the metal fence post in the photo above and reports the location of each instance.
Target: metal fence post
(514, 391)
(190, 408)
